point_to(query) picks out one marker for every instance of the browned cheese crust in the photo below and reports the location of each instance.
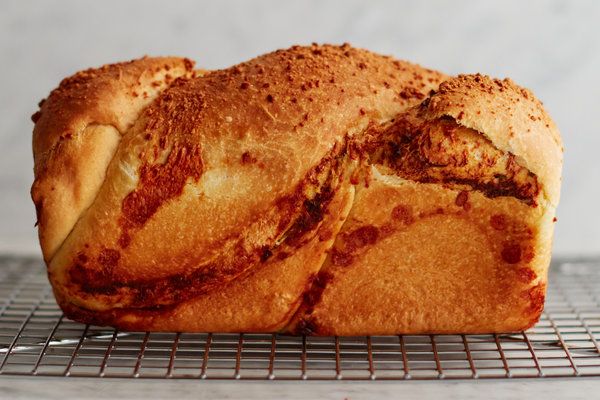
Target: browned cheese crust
(318, 190)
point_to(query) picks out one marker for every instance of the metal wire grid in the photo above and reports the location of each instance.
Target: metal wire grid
(36, 339)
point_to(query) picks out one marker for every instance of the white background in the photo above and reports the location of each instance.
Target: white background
(552, 47)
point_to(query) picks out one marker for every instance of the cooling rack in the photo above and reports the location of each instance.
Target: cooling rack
(37, 340)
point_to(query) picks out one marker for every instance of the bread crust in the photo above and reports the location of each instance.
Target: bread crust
(77, 130)
(221, 201)
(263, 300)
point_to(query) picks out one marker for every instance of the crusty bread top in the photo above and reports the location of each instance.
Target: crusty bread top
(511, 117)
(113, 94)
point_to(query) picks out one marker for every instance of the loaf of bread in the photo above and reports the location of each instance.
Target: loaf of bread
(321, 190)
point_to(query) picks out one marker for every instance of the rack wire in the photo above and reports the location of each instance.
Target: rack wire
(37, 340)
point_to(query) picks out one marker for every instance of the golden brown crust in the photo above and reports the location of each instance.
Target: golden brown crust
(263, 300)
(77, 130)
(219, 204)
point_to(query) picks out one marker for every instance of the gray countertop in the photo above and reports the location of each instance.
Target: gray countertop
(92, 388)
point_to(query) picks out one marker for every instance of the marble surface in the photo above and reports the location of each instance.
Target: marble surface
(59, 389)
(552, 47)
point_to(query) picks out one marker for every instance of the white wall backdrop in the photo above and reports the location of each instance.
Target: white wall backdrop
(552, 47)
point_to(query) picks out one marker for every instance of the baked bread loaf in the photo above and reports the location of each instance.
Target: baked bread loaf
(320, 190)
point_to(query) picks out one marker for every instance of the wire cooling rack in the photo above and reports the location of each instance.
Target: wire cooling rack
(36, 339)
